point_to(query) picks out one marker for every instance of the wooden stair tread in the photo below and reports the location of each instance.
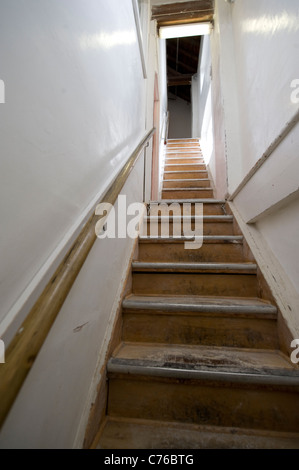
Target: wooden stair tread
(126, 433)
(199, 363)
(200, 304)
(220, 364)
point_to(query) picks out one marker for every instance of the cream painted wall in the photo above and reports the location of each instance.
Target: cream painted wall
(75, 109)
(180, 118)
(163, 95)
(259, 41)
(266, 40)
(218, 162)
(52, 409)
(202, 111)
(281, 229)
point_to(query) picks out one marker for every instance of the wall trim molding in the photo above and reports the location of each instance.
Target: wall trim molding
(282, 289)
(273, 146)
(26, 344)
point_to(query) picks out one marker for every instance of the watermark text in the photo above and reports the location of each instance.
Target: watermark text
(295, 353)
(2, 352)
(295, 93)
(2, 92)
(178, 221)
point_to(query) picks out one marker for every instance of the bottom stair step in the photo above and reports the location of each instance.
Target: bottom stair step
(120, 433)
(225, 387)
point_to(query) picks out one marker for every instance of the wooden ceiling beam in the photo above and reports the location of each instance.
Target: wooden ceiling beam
(192, 57)
(179, 80)
(182, 7)
(184, 12)
(183, 65)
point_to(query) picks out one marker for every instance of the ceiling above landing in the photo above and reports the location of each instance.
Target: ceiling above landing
(182, 64)
(183, 12)
(182, 53)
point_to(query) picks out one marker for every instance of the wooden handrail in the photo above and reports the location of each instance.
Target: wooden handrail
(27, 343)
(167, 129)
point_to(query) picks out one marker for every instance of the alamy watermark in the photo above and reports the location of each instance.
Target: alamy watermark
(2, 92)
(295, 353)
(165, 220)
(295, 93)
(2, 352)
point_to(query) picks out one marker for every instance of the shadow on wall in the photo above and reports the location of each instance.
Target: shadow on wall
(180, 122)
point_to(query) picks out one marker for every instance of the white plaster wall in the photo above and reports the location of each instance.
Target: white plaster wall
(224, 51)
(257, 52)
(163, 96)
(266, 40)
(52, 409)
(274, 183)
(202, 111)
(180, 118)
(163, 92)
(69, 124)
(204, 74)
(264, 44)
(281, 230)
(218, 162)
(75, 109)
(195, 106)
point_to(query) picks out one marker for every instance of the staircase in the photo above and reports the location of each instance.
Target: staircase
(199, 364)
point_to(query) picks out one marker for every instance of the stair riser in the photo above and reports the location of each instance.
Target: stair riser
(188, 194)
(238, 285)
(193, 329)
(183, 142)
(208, 209)
(186, 184)
(155, 228)
(184, 167)
(186, 175)
(127, 434)
(216, 404)
(180, 145)
(176, 252)
(181, 159)
(187, 151)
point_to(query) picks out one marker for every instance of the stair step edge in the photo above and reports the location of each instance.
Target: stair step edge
(156, 304)
(205, 218)
(192, 201)
(272, 377)
(137, 265)
(186, 189)
(206, 239)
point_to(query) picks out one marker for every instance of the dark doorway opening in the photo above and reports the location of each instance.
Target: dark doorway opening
(182, 64)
